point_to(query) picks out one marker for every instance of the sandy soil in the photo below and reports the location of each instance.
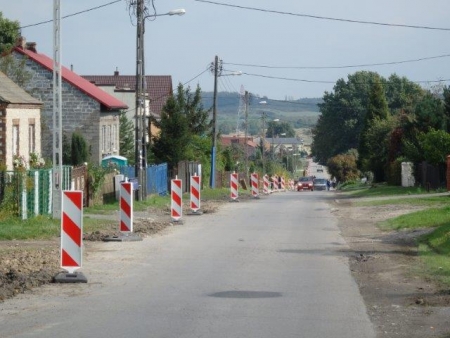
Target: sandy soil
(399, 302)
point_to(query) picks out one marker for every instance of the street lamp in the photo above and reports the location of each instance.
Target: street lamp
(141, 89)
(217, 73)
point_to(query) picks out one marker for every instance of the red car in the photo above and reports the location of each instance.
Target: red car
(305, 183)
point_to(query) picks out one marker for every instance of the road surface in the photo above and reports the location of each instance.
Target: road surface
(273, 267)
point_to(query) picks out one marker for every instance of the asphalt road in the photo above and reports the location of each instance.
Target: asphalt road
(274, 267)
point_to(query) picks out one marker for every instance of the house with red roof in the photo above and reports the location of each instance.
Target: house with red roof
(123, 87)
(86, 109)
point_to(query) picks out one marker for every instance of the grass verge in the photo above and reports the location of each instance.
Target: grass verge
(434, 248)
(379, 190)
(45, 227)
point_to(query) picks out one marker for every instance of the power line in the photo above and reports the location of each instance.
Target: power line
(325, 17)
(320, 81)
(73, 14)
(340, 67)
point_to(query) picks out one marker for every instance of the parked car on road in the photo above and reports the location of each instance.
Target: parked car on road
(320, 184)
(319, 169)
(305, 183)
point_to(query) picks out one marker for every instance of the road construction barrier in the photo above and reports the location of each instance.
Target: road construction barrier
(126, 207)
(72, 230)
(255, 184)
(176, 205)
(274, 183)
(234, 194)
(283, 186)
(195, 193)
(266, 185)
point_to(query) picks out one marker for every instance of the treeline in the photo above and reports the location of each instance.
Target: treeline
(375, 123)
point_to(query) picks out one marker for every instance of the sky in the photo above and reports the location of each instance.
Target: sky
(285, 49)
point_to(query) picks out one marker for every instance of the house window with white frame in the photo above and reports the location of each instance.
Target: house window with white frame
(31, 136)
(15, 137)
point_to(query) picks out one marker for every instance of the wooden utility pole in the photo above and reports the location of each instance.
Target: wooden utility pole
(246, 133)
(212, 182)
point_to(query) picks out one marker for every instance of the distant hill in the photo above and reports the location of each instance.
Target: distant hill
(302, 113)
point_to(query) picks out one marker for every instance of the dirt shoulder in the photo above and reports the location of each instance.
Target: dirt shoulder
(399, 302)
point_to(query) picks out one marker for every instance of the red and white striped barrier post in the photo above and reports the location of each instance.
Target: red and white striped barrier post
(195, 195)
(255, 185)
(275, 183)
(176, 205)
(266, 185)
(283, 186)
(234, 194)
(71, 237)
(125, 216)
(126, 207)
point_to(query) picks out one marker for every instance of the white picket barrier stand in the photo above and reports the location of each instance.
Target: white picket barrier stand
(126, 207)
(176, 205)
(195, 196)
(255, 184)
(266, 185)
(234, 184)
(71, 237)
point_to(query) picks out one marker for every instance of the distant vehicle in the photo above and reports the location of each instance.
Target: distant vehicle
(319, 169)
(320, 184)
(305, 183)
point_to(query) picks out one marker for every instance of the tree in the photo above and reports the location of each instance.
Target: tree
(435, 145)
(171, 143)
(377, 111)
(191, 106)
(9, 33)
(126, 135)
(342, 116)
(378, 137)
(66, 150)
(343, 167)
(14, 69)
(446, 95)
(80, 152)
(183, 130)
(276, 129)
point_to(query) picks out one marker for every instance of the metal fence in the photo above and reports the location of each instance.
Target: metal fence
(157, 177)
(30, 193)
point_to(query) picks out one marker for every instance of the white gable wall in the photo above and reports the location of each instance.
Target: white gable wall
(21, 118)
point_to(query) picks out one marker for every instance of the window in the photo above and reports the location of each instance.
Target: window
(114, 137)
(108, 143)
(31, 136)
(103, 140)
(15, 137)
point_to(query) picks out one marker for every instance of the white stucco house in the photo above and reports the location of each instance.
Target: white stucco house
(20, 124)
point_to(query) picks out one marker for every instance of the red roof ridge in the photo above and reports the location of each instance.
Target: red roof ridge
(76, 80)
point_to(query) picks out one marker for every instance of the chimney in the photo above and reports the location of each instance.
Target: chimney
(116, 73)
(31, 46)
